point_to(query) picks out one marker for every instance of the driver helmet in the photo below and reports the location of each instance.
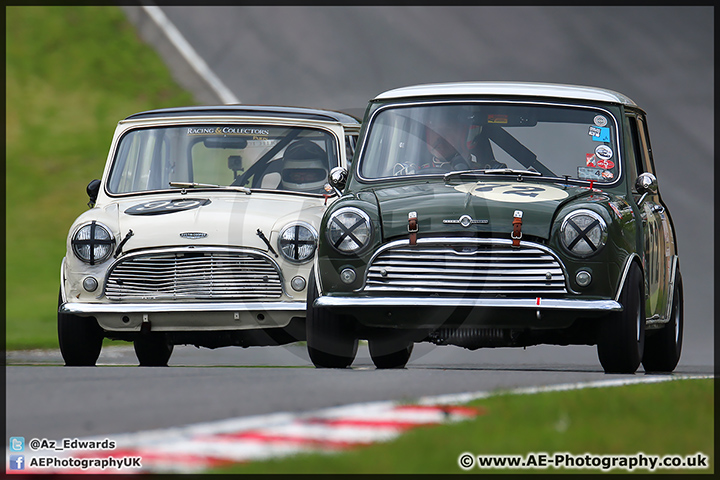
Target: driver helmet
(447, 130)
(305, 167)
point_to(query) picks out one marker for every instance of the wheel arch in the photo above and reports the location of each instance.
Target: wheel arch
(63, 296)
(633, 258)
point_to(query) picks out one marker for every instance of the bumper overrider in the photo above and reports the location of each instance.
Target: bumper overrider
(469, 282)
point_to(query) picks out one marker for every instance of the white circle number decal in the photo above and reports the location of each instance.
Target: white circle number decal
(513, 192)
(161, 207)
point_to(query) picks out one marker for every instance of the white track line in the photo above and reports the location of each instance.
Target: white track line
(470, 396)
(189, 54)
(195, 448)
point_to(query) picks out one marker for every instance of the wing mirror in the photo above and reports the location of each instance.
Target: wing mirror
(92, 190)
(646, 184)
(338, 178)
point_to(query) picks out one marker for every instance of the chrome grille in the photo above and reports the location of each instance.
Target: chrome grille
(459, 268)
(204, 275)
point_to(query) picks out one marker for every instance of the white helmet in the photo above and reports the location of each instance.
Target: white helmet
(305, 167)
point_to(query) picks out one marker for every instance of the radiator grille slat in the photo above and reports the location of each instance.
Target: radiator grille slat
(206, 275)
(451, 270)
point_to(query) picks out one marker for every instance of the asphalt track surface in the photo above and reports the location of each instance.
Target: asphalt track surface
(338, 58)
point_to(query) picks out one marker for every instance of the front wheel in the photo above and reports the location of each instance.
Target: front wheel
(331, 342)
(663, 347)
(622, 334)
(389, 354)
(153, 349)
(80, 339)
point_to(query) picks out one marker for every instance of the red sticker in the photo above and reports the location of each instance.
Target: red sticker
(607, 175)
(606, 164)
(589, 159)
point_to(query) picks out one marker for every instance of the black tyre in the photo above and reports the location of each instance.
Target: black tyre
(153, 349)
(388, 354)
(663, 347)
(331, 341)
(622, 334)
(80, 339)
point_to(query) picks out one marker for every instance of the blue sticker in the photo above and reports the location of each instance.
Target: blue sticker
(600, 134)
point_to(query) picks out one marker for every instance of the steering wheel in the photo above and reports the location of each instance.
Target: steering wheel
(257, 179)
(460, 165)
(496, 165)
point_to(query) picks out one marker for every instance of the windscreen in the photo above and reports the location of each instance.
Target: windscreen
(257, 156)
(554, 141)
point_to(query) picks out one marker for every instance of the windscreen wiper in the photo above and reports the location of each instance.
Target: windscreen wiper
(511, 171)
(490, 171)
(462, 173)
(184, 185)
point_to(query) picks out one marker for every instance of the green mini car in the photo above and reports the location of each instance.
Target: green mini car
(487, 214)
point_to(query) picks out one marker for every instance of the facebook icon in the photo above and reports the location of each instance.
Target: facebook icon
(17, 462)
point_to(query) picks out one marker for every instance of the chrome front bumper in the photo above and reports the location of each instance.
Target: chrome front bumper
(526, 303)
(178, 307)
(195, 316)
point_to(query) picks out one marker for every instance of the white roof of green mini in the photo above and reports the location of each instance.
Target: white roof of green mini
(555, 90)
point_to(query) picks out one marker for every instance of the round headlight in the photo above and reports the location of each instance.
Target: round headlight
(297, 242)
(583, 233)
(93, 243)
(349, 230)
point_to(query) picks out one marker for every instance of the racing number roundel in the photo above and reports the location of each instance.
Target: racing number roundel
(513, 192)
(162, 207)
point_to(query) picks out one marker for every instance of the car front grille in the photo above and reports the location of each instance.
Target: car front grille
(192, 275)
(482, 267)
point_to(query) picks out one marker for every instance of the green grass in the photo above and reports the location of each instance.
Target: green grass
(668, 418)
(71, 74)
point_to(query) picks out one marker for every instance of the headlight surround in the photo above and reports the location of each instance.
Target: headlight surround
(583, 233)
(297, 242)
(349, 230)
(93, 243)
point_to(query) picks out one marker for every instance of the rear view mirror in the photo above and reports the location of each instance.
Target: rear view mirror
(225, 142)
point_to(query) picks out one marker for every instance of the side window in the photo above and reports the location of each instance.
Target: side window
(350, 146)
(635, 165)
(648, 163)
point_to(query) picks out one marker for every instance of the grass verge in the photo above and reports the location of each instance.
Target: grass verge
(668, 418)
(71, 74)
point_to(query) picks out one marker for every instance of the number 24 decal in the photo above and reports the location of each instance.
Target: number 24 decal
(524, 190)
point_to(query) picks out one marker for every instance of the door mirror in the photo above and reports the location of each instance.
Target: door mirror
(646, 183)
(92, 190)
(338, 178)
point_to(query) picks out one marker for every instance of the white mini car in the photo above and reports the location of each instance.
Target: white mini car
(201, 231)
